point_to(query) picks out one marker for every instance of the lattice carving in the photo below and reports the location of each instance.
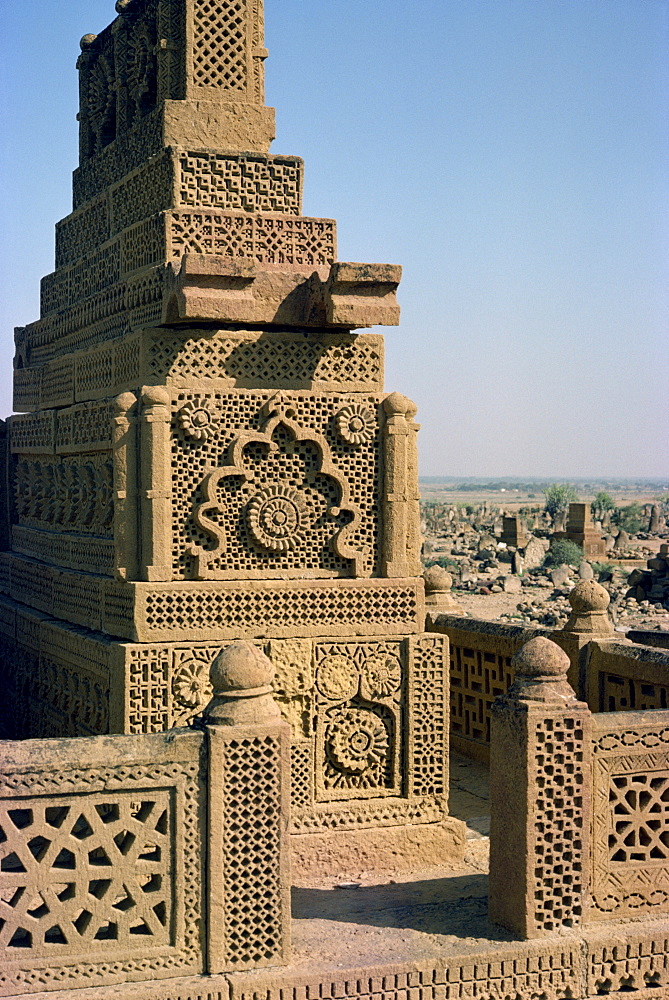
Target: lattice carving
(625, 694)
(142, 194)
(89, 877)
(477, 678)
(429, 717)
(267, 448)
(301, 776)
(630, 853)
(77, 552)
(84, 427)
(148, 690)
(66, 495)
(80, 233)
(279, 611)
(95, 371)
(143, 245)
(109, 166)
(27, 388)
(262, 359)
(240, 182)
(251, 815)
(558, 823)
(297, 242)
(220, 45)
(33, 433)
(60, 845)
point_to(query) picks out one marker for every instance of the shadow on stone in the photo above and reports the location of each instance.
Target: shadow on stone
(455, 906)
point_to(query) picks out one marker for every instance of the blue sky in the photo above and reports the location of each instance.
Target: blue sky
(511, 154)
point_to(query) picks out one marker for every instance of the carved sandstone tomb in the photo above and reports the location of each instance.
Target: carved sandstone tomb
(205, 453)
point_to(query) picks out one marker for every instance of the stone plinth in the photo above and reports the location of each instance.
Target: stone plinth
(581, 530)
(514, 532)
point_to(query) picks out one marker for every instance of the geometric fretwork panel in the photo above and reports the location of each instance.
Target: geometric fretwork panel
(91, 858)
(477, 678)
(558, 822)
(640, 821)
(92, 872)
(251, 863)
(630, 846)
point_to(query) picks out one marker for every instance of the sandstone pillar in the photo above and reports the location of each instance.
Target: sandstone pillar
(248, 891)
(540, 794)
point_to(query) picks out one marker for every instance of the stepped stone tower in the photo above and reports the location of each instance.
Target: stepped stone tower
(204, 452)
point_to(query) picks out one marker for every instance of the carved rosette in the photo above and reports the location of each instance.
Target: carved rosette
(198, 419)
(356, 741)
(276, 518)
(381, 677)
(355, 424)
(191, 688)
(337, 678)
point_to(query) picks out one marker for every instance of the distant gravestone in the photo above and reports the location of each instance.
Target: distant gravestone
(534, 554)
(622, 541)
(560, 575)
(654, 523)
(585, 571)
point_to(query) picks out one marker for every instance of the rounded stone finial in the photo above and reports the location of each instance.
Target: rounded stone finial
(155, 395)
(540, 658)
(241, 676)
(437, 580)
(87, 41)
(588, 595)
(124, 402)
(241, 667)
(397, 404)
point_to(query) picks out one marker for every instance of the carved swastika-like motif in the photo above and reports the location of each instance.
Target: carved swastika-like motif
(624, 694)
(558, 823)
(242, 183)
(477, 678)
(251, 860)
(640, 820)
(86, 873)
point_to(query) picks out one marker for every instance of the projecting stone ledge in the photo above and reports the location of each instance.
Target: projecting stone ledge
(211, 288)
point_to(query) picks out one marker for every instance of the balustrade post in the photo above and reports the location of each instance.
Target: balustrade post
(540, 794)
(248, 890)
(589, 620)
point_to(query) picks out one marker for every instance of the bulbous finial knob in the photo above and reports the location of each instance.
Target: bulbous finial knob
(241, 667)
(87, 41)
(588, 595)
(589, 602)
(541, 658)
(437, 580)
(241, 676)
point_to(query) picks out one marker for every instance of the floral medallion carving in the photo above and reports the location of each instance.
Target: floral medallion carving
(275, 518)
(191, 688)
(280, 518)
(337, 678)
(381, 676)
(198, 419)
(356, 424)
(357, 742)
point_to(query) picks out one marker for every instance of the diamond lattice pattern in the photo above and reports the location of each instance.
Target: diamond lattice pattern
(219, 54)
